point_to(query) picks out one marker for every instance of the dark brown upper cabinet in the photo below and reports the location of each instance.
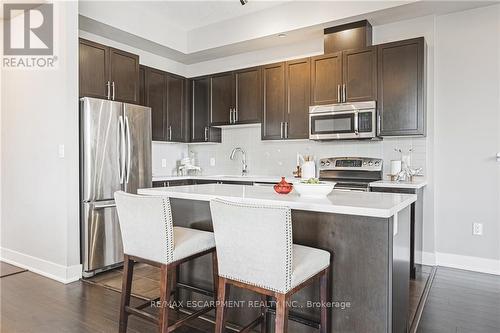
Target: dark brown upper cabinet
(175, 109)
(200, 112)
(165, 95)
(298, 97)
(222, 98)
(155, 92)
(344, 77)
(142, 85)
(108, 73)
(93, 70)
(124, 76)
(359, 73)
(401, 88)
(235, 97)
(273, 114)
(286, 100)
(248, 107)
(326, 78)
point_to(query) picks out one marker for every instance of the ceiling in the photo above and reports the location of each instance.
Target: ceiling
(196, 31)
(187, 15)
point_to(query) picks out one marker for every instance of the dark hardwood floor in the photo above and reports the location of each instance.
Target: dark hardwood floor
(32, 303)
(462, 302)
(459, 301)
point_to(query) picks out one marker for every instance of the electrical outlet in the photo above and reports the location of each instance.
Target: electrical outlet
(477, 229)
(60, 151)
(163, 162)
(212, 161)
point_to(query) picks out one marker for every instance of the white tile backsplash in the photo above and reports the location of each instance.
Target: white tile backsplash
(279, 157)
(172, 152)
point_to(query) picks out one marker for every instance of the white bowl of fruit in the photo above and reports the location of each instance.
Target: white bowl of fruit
(313, 188)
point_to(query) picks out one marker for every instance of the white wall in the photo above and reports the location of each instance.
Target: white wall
(39, 217)
(467, 136)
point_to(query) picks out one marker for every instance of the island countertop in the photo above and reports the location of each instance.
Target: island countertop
(375, 204)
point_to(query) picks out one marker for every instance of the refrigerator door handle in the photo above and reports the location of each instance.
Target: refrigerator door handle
(129, 154)
(103, 206)
(121, 143)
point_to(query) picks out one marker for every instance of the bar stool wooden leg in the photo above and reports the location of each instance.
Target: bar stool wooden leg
(128, 270)
(174, 278)
(164, 299)
(281, 323)
(263, 313)
(222, 295)
(215, 274)
(324, 292)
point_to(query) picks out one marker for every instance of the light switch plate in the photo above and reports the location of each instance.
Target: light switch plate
(212, 161)
(163, 162)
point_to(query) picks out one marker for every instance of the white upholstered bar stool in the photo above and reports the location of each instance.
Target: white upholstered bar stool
(255, 252)
(148, 236)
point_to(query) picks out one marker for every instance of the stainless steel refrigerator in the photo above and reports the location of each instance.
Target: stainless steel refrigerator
(115, 154)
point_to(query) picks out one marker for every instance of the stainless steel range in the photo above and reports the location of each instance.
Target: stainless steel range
(351, 173)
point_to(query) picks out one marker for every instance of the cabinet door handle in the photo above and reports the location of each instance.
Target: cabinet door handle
(344, 93)
(338, 93)
(170, 132)
(230, 115)
(235, 115)
(206, 133)
(281, 130)
(286, 129)
(108, 92)
(113, 85)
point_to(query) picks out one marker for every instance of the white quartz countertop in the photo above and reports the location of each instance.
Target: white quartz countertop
(415, 184)
(376, 204)
(251, 179)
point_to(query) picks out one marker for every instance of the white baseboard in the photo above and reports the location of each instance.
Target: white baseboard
(61, 273)
(476, 264)
(428, 258)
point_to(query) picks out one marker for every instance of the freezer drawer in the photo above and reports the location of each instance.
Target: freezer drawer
(101, 236)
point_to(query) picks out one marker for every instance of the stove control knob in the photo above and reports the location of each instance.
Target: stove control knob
(322, 163)
(364, 163)
(327, 163)
(377, 163)
(370, 163)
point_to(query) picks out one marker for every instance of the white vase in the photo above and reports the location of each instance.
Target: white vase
(308, 170)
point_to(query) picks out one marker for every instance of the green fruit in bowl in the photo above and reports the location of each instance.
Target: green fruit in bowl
(311, 181)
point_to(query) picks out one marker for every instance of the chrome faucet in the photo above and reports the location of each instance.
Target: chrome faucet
(244, 170)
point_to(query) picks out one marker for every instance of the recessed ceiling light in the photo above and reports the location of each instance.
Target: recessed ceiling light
(281, 35)
(243, 2)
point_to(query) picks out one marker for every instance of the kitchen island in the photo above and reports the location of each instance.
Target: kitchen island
(367, 233)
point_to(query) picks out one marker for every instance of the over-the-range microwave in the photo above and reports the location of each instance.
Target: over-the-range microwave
(343, 121)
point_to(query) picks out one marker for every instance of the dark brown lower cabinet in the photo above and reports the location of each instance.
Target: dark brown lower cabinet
(401, 88)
